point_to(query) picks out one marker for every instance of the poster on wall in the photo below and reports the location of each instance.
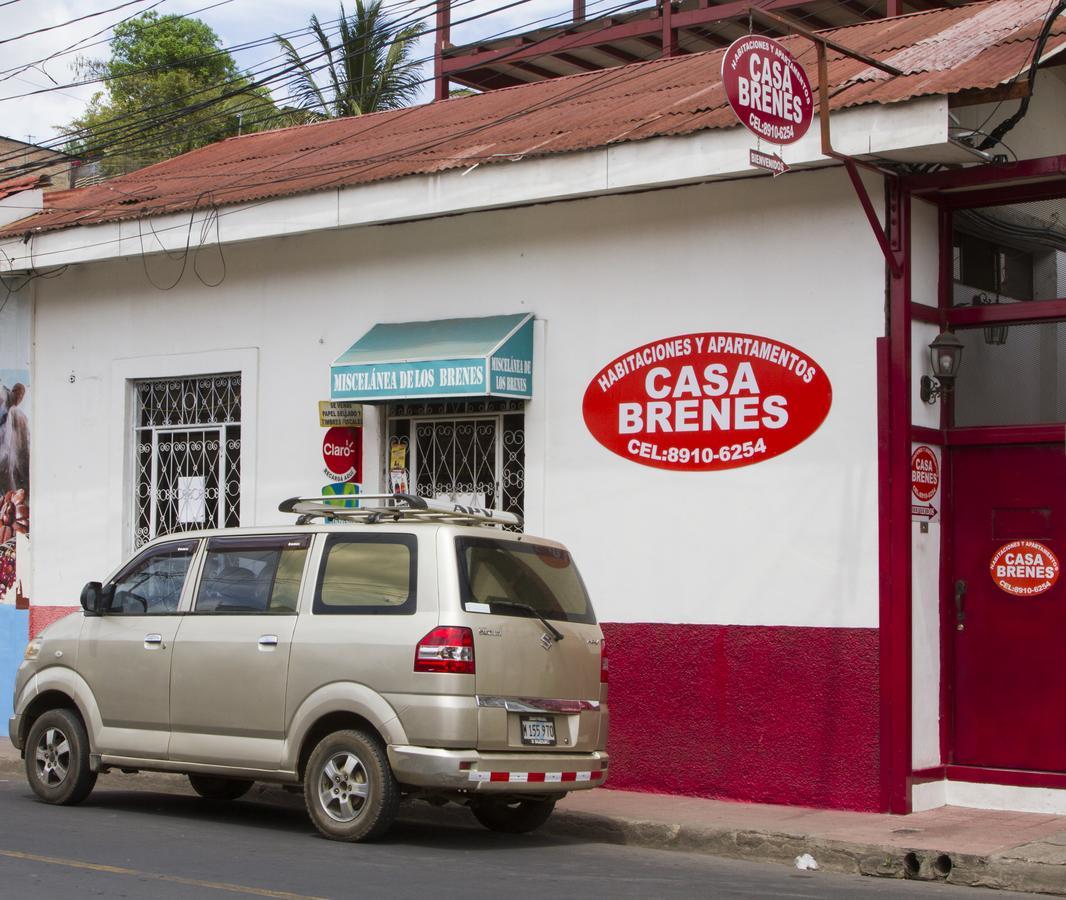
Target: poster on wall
(14, 442)
(925, 482)
(707, 401)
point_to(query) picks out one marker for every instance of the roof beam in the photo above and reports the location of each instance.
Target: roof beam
(459, 59)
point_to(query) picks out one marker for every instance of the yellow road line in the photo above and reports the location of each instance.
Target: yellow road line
(173, 879)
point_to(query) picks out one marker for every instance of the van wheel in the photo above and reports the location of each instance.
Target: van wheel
(349, 788)
(212, 787)
(511, 815)
(57, 758)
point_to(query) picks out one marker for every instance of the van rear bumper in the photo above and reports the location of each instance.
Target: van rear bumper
(502, 773)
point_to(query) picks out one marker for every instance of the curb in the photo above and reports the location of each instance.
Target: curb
(1003, 871)
(997, 871)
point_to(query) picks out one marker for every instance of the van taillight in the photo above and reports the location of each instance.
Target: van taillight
(447, 648)
(603, 661)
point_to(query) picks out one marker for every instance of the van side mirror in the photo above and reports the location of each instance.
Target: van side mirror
(92, 598)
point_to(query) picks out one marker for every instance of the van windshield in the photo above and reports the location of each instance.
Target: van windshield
(544, 578)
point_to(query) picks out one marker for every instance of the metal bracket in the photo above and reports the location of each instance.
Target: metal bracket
(821, 43)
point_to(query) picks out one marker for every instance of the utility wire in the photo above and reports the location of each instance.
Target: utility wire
(126, 135)
(347, 168)
(27, 34)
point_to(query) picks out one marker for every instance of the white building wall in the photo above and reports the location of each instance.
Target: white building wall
(788, 541)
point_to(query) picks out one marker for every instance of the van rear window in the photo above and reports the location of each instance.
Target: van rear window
(538, 576)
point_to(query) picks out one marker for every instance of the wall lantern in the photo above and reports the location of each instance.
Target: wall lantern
(995, 335)
(945, 356)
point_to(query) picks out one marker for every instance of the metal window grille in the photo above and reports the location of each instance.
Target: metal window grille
(470, 452)
(187, 434)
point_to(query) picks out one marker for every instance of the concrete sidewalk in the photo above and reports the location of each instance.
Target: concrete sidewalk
(987, 848)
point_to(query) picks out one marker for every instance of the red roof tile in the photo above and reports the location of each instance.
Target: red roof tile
(944, 51)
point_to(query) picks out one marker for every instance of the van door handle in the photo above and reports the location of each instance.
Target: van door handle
(960, 610)
(151, 641)
(267, 641)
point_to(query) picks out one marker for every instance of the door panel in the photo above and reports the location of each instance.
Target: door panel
(231, 661)
(125, 654)
(227, 693)
(130, 678)
(1009, 667)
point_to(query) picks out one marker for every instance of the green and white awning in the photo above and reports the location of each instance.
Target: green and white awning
(490, 356)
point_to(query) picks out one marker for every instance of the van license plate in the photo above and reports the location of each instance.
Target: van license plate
(538, 730)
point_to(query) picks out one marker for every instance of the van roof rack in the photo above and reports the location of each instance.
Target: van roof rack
(393, 508)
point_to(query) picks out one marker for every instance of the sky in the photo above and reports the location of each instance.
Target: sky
(36, 118)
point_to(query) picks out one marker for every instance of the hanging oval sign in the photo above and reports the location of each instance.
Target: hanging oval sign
(700, 402)
(1024, 568)
(767, 89)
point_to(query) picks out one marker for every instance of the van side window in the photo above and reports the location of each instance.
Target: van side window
(151, 585)
(252, 575)
(368, 574)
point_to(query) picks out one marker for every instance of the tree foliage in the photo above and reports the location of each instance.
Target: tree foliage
(168, 88)
(366, 68)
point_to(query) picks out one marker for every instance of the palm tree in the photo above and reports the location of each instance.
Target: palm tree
(368, 67)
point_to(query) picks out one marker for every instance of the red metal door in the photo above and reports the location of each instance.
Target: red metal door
(1009, 688)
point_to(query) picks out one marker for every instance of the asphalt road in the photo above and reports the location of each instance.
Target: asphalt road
(144, 843)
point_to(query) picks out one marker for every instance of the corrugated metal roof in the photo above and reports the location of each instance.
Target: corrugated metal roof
(24, 183)
(944, 51)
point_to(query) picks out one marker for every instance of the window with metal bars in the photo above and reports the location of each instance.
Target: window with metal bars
(470, 452)
(187, 434)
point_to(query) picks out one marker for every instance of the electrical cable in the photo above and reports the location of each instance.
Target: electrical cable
(101, 12)
(997, 133)
(240, 80)
(81, 45)
(184, 111)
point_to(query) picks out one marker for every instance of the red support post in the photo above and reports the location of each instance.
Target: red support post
(579, 11)
(443, 37)
(893, 8)
(669, 32)
(894, 440)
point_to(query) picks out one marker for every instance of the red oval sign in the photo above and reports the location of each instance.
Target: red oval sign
(1024, 568)
(700, 402)
(767, 89)
(925, 473)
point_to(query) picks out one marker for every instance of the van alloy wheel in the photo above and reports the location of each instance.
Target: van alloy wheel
(57, 758)
(343, 787)
(52, 757)
(350, 791)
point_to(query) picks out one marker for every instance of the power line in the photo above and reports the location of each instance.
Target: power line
(81, 45)
(116, 134)
(71, 21)
(606, 77)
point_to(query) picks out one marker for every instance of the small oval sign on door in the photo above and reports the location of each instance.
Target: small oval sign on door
(1024, 568)
(713, 400)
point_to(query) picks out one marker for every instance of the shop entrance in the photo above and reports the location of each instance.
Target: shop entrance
(1009, 666)
(470, 451)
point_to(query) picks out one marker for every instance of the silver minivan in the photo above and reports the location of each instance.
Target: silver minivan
(408, 648)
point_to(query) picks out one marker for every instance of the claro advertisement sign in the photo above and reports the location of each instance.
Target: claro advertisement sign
(701, 402)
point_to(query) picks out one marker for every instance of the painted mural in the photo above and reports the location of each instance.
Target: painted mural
(14, 483)
(14, 438)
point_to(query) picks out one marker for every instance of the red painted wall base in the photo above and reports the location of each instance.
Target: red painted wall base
(43, 616)
(760, 714)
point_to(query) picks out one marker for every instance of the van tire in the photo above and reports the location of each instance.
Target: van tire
(349, 789)
(213, 787)
(512, 815)
(57, 758)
